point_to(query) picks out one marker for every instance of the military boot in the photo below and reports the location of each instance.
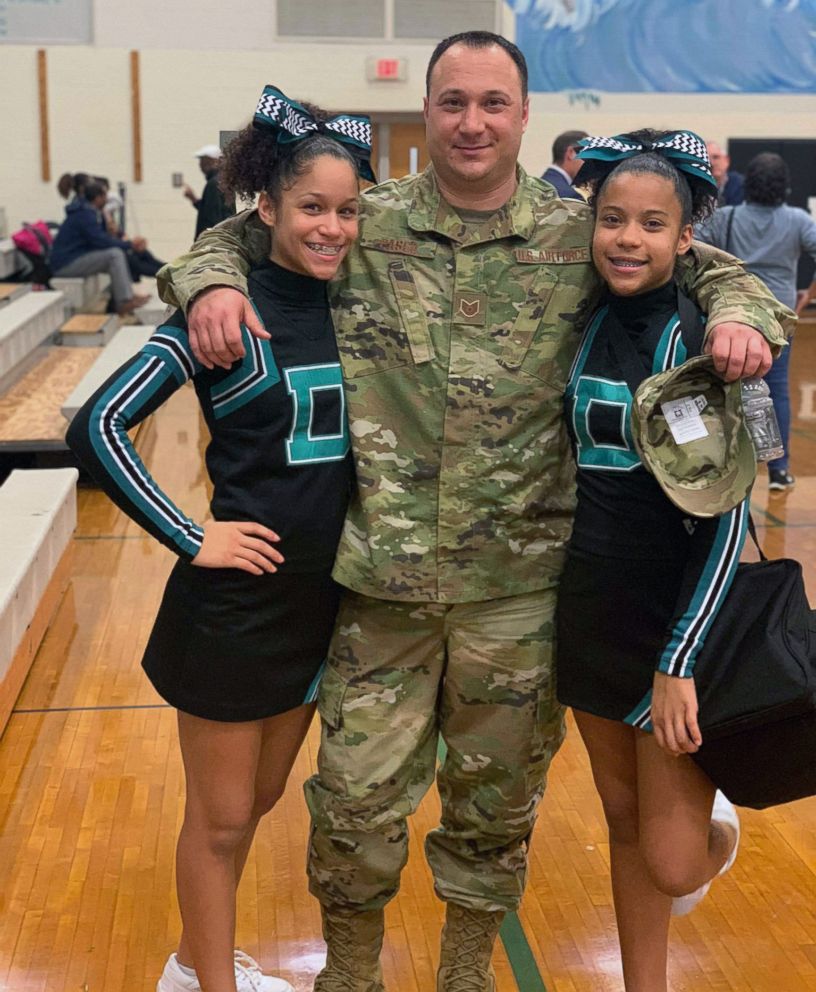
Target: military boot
(353, 945)
(467, 947)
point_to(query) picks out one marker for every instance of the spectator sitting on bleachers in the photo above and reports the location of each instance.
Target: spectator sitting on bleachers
(113, 209)
(140, 263)
(83, 248)
(65, 185)
(80, 181)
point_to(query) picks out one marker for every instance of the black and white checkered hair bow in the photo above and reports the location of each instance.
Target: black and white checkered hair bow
(684, 149)
(293, 122)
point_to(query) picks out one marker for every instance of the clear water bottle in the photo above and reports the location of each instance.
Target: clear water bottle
(761, 421)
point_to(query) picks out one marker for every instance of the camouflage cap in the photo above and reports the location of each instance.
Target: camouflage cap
(690, 432)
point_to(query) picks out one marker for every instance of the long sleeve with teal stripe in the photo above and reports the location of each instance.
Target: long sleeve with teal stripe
(715, 548)
(98, 435)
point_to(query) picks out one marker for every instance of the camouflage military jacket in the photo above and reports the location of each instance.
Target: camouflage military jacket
(456, 344)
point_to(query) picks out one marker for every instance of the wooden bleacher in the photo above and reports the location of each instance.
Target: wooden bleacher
(9, 262)
(25, 324)
(10, 291)
(126, 342)
(82, 293)
(31, 420)
(37, 520)
(85, 330)
(154, 311)
(38, 373)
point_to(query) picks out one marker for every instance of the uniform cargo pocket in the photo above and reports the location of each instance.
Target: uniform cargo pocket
(330, 696)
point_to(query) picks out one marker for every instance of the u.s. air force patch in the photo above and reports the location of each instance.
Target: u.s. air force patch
(553, 256)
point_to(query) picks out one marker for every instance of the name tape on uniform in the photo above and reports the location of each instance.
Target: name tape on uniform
(552, 256)
(684, 420)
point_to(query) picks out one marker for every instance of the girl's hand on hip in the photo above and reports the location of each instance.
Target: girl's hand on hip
(239, 544)
(674, 714)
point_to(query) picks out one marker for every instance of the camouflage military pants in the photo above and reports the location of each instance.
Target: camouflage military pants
(399, 676)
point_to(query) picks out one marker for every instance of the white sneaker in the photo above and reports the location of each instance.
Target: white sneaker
(723, 812)
(248, 977)
(264, 983)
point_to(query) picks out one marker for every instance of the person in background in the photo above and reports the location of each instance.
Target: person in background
(565, 167)
(114, 209)
(83, 247)
(729, 182)
(769, 236)
(80, 181)
(140, 263)
(65, 185)
(212, 206)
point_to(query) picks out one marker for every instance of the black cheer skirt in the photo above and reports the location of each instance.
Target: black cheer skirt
(612, 622)
(231, 646)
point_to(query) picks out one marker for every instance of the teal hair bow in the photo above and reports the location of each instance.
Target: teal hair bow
(685, 149)
(292, 122)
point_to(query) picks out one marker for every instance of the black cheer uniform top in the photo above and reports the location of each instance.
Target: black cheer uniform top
(226, 644)
(279, 454)
(644, 580)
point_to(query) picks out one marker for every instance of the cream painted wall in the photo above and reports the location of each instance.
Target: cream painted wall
(187, 97)
(716, 117)
(188, 94)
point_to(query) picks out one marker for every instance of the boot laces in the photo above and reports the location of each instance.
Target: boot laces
(470, 970)
(343, 965)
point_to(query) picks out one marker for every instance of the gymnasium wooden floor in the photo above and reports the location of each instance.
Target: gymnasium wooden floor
(91, 800)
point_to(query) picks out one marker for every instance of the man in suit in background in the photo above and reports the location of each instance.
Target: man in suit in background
(564, 169)
(729, 183)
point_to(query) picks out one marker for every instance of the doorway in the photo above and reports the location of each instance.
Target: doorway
(398, 145)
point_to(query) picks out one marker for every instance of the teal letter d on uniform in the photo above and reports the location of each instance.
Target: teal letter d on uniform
(618, 454)
(303, 445)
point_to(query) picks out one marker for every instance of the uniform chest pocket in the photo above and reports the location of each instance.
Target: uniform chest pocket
(382, 319)
(537, 340)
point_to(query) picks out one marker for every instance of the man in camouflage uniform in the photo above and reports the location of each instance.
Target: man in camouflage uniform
(457, 319)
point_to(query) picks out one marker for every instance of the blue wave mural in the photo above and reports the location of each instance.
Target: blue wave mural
(669, 46)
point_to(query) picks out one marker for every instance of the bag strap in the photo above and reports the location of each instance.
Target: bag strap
(626, 355)
(692, 325)
(692, 330)
(753, 533)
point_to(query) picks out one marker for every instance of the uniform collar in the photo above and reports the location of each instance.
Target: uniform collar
(429, 212)
(288, 285)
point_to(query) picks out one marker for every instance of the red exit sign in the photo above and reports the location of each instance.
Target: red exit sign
(386, 70)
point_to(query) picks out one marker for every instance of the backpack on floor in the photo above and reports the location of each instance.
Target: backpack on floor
(34, 242)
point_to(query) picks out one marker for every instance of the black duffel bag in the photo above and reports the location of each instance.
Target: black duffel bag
(756, 688)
